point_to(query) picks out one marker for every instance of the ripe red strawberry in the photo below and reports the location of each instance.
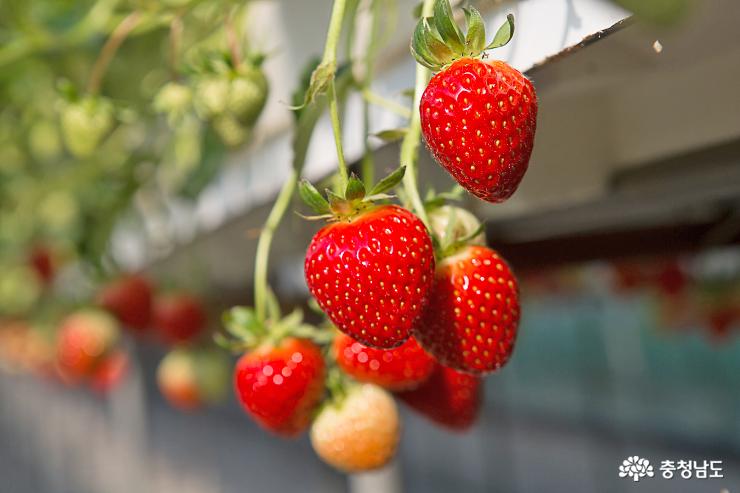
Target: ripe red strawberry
(372, 273)
(84, 340)
(280, 385)
(472, 318)
(179, 318)
(448, 397)
(130, 300)
(399, 368)
(478, 117)
(358, 433)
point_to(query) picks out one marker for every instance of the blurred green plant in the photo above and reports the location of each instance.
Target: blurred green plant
(99, 99)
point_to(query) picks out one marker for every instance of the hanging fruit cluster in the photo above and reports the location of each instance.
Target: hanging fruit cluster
(414, 304)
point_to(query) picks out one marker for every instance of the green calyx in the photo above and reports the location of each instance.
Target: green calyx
(438, 40)
(354, 199)
(244, 331)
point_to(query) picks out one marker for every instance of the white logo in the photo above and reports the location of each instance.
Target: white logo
(636, 468)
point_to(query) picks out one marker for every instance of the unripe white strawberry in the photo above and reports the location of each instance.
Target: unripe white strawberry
(360, 432)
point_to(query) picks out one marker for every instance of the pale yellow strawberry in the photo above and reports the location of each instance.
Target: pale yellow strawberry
(360, 432)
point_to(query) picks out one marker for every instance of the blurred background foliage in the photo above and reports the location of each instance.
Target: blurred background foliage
(101, 100)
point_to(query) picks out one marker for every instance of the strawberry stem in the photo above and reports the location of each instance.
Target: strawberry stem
(330, 60)
(117, 37)
(410, 144)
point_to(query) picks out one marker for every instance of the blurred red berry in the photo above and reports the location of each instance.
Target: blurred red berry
(84, 339)
(400, 368)
(129, 298)
(449, 398)
(179, 318)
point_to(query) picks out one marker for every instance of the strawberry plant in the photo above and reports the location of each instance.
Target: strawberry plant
(410, 298)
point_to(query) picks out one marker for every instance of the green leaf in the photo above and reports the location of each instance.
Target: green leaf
(389, 182)
(475, 38)
(355, 188)
(419, 47)
(392, 135)
(313, 198)
(504, 34)
(446, 26)
(320, 78)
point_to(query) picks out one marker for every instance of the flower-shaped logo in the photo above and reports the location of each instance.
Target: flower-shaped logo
(635, 468)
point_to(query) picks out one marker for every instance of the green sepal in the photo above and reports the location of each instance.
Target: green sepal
(434, 200)
(454, 246)
(447, 27)
(391, 135)
(389, 182)
(504, 34)
(438, 41)
(440, 52)
(232, 345)
(335, 200)
(355, 188)
(419, 47)
(313, 198)
(377, 197)
(475, 39)
(241, 323)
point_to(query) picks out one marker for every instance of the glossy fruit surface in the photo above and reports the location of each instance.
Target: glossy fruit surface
(279, 386)
(403, 367)
(479, 120)
(449, 398)
(371, 275)
(472, 318)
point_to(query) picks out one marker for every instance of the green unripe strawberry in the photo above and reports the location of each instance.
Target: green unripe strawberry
(248, 95)
(230, 130)
(174, 100)
(211, 95)
(85, 123)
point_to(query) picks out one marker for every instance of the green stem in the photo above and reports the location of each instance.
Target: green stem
(378, 100)
(410, 144)
(368, 165)
(337, 131)
(109, 49)
(330, 59)
(265, 240)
